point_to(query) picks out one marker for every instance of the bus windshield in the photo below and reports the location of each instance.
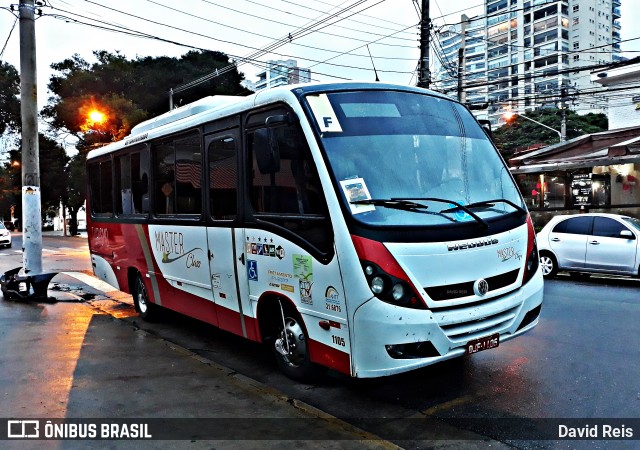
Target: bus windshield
(403, 158)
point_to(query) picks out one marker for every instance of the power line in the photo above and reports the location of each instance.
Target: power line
(247, 59)
(8, 37)
(262, 35)
(271, 8)
(140, 34)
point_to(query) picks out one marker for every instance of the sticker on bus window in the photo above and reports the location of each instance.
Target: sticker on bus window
(356, 189)
(303, 270)
(324, 113)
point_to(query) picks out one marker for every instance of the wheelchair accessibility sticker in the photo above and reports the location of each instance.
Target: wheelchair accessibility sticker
(252, 269)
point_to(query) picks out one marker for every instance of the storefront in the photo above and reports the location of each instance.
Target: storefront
(596, 172)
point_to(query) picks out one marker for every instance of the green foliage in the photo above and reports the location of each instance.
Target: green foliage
(76, 188)
(127, 92)
(522, 133)
(131, 90)
(52, 162)
(9, 98)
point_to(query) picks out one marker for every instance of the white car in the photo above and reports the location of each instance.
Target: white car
(591, 243)
(5, 236)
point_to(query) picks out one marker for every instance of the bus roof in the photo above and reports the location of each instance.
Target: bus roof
(219, 106)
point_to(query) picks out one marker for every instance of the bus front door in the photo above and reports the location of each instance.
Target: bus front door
(226, 242)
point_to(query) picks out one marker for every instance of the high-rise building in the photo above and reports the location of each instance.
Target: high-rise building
(281, 72)
(531, 49)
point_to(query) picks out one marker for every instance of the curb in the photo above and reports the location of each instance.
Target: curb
(246, 381)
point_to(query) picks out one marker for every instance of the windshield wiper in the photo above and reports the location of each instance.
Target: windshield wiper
(394, 203)
(490, 203)
(449, 202)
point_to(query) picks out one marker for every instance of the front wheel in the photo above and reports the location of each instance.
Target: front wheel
(548, 264)
(147, 310)
(292, 351)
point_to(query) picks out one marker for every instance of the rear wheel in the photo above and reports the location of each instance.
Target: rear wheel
(147, 310)
(548, 264)
(291, 349)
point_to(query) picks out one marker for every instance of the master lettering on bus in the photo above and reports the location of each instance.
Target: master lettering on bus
(170, 242)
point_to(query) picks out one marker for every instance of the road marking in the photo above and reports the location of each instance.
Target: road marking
(448, 405)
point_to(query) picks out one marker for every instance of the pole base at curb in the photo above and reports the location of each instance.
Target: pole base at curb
(25, 287)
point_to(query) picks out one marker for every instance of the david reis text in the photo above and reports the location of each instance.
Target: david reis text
(595, 432)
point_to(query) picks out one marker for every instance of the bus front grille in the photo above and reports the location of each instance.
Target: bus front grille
(465, 289)
(488, 317)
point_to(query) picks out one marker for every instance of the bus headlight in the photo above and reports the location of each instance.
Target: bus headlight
(397, 292)
(390, 289)
(377, 285)
(386, 279)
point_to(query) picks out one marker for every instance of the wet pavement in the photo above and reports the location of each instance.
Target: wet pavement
(81, 357)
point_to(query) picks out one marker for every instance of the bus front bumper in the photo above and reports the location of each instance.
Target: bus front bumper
(390, 339)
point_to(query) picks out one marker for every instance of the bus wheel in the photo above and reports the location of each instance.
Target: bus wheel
(141, 301)
(291, 349)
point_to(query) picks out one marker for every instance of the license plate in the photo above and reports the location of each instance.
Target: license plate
(484, 343)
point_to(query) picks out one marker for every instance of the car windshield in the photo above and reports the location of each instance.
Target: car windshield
(635, 223)
(404, 158)
(2, 227)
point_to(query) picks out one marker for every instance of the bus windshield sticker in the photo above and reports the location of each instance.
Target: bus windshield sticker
(356, 189)
(324, 113)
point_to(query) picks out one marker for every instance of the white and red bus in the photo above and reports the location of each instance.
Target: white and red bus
(365, 227)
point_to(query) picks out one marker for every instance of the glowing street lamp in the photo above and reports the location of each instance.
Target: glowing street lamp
(510, 116)
(96, 117)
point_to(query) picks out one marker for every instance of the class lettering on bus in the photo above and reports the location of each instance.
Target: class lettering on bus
(368, 228)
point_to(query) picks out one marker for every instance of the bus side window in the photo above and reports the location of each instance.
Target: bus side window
(100, 192)
(223, 178)
(164, 178)
(284, 186)
(293, 187)
(178, 175)
(132, 183)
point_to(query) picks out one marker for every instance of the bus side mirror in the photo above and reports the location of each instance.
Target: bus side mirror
(266, 150)
(486, 127)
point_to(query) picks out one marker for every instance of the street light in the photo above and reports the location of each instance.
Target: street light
(510, 116)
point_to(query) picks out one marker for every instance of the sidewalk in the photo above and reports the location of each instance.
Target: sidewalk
(80, 360)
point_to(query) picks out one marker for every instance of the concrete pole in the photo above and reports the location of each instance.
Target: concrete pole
(31, 214)
(563, 106)
(424, 78)
(461, 58)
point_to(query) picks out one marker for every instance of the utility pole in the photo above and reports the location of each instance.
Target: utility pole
(563, 107)
(424, 78)
(31, 208)
(461, 59)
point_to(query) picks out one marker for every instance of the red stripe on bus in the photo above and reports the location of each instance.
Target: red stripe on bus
(328, 356)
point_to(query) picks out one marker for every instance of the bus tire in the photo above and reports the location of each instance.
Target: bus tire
(548, 264)
(146, 309)
(291, 349)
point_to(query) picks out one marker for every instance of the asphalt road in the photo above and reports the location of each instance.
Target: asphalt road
(580, 362)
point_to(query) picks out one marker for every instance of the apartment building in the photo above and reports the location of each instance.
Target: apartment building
(278, 73)
(532, 49)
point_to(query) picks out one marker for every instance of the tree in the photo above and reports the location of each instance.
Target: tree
(53, 160)
(9, 98)
(76, 193)
(132, 90)
(522, 133)
(125, 92)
